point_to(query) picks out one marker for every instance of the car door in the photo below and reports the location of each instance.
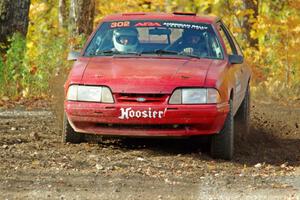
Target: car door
(245, 72)
(235, 70)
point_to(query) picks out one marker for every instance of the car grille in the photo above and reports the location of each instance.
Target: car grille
(143, 127)
(121, 97)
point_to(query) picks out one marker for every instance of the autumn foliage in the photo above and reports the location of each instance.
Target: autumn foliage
(268, 32)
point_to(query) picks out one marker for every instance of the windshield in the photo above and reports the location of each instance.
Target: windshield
(155, 37)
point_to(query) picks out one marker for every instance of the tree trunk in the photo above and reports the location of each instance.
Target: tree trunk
(82, 17)
(13, 18)
(247, 23)
(62, 13)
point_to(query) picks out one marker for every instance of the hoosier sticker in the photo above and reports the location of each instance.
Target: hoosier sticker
(127, 113)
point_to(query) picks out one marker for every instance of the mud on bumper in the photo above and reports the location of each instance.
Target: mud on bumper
(146, 120)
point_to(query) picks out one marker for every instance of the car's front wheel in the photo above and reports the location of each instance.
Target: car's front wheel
(222, 143)
(68, 133)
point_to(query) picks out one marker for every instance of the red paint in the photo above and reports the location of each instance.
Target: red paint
(154, 78)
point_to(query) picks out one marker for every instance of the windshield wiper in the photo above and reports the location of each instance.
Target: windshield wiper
(105, 52)
(189, 55)
(159, 52)
(168, 52)
(113, 52)
(163, 51)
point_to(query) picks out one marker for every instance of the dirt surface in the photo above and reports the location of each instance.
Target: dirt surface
(36, 165)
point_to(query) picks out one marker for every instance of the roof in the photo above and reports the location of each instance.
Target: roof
(162, 16)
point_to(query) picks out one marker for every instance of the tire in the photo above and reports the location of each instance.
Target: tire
(68, 133)
(242, 116)
(222, 143)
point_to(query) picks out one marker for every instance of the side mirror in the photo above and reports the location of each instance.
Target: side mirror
(73, 55)
(236, 59)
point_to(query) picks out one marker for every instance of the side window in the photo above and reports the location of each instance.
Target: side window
(237, 47)
(229, 44)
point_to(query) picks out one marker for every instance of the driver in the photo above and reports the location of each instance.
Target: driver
(193, 42)
(125, 39)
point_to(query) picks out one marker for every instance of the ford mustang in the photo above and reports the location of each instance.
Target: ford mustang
(159, 75)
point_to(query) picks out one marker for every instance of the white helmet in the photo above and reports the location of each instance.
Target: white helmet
(125, 39)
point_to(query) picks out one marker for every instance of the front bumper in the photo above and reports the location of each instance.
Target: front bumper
(146, 119)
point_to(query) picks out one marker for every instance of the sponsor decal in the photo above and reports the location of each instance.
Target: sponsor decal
(120, 24)
(185, 26)
(127, 113)
(145, 24)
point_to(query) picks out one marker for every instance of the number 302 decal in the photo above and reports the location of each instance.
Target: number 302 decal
(119, 24)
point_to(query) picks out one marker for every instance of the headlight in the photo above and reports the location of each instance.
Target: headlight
(195, 96)
(90, 93)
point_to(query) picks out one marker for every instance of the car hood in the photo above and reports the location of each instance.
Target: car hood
(146, 75)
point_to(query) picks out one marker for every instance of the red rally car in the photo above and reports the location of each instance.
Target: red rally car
(156, 74)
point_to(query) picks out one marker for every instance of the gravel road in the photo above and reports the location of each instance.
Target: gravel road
(36, 165)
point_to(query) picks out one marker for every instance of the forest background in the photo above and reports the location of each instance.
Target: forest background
(36, 37)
